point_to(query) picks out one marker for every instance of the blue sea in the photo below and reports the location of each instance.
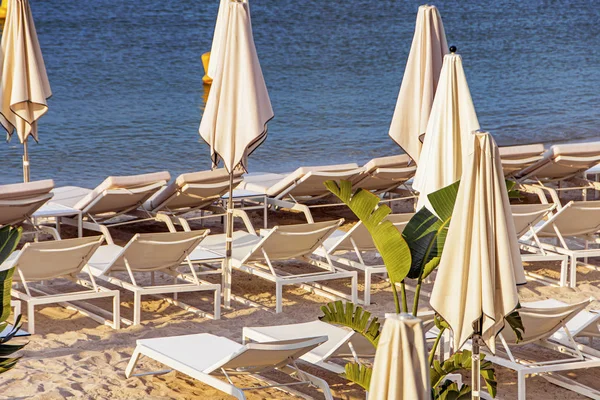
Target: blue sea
(128, 97)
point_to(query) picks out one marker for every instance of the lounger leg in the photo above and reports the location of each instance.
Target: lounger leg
(132, 362)
(278, 298)
(137, 308)
(573, 277)
(226, 283)
(30, 318)
(367, 287)
(521, 386)
(218, 303)
(355, 289)
(117, 310)
(564, 265)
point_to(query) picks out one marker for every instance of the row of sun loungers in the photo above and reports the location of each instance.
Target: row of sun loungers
(170, 263)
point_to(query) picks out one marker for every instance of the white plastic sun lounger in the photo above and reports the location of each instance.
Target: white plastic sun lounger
(516, 158)
(259, 255)
(191, 192)
(342, 342)
(560, 163)
(301, 189)
(51, 260)
(526, 217)
(208, 358)
(541, 324)
(19, 201)
(150, 253)
(386, 174)
(116, 196)
(358, 241)
(573, 227)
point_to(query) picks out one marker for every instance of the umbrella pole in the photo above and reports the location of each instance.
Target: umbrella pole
(476, 366)
(228, 246)
(25, 162)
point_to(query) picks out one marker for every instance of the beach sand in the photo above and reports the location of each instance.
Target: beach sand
(71, 356)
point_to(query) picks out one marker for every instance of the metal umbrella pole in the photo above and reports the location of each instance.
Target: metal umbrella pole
(25, 162)
(228, 246)
(476, 363)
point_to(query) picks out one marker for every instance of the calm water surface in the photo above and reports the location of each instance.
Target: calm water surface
(128, 94)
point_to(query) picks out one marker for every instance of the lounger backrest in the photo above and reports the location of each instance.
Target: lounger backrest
(564, 161)
(19, 201)
(193, 190)
(516, 158)
(309, 181)
(255, 358)
(363, 239)
(385, 173)
(119, 194)
(398, 161)
(528, 215)
(286, 242)
(541, 323)
(576, 218)
(40, 261)
(156, 251)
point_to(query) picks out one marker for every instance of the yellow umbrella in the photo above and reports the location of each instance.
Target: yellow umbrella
(24, 87)
(476, 283)
(420, 81)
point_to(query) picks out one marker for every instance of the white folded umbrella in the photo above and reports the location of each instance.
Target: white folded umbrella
(420, 81)
(451, 122)
(25, 87)
(400, 369)
(218, 37)
(476, 282)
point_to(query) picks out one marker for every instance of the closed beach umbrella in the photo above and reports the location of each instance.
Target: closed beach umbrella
(420, 81)
(25, 87)
(401, 369)
(218, 37)
(451, 122)
(476, 282)
(238, 108)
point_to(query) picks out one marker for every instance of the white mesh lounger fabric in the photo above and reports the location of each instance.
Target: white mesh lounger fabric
(516, 158)
(115, 196)
(385, 174)
(300, 189)
(150, 253)
(51, 260)
(357, 241)
(18, 201)
(224, 358)
(541, 324)
(258, 255)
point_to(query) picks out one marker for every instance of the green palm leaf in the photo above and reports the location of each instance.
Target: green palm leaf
(359, 374)
(353, 317)
(389, 242)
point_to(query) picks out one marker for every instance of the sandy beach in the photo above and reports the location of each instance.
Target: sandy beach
(71, 356)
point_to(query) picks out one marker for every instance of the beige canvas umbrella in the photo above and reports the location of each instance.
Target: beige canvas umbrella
(25, 87)
(420, 81)
(401, 369)
(235, 118)
(451, 122)
(476, 282)
(218, 37)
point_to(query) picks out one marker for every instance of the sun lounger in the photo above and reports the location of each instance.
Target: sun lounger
(18, 202)
(526, 217)
(386, 174)
(191, 192)
(259, 255)
(208, 358)
(573, 227)
(560, 163)
(517, 158)
(302, 189)
(116, 196)
(150, 253)
(51, 260)
(541, 324)
(357, 241)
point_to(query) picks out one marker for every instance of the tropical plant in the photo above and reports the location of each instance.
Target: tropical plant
(9, 238)
(414, 254)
